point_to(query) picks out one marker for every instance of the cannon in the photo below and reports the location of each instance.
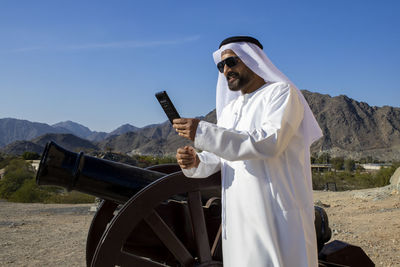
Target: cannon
(151, 217)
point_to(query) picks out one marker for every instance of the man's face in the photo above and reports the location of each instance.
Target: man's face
(237, 76)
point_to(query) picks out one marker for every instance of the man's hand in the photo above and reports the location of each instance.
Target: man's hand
(187, 157)
(186, 127)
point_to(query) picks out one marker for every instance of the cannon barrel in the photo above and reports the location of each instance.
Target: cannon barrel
(106, 179)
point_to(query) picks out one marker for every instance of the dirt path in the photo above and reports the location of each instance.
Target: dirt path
(55, 235)
(43, 234)
(369, 219)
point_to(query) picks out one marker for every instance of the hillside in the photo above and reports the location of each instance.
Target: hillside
(13, 129)
(351, 129)
(68, 141)
(355, 129)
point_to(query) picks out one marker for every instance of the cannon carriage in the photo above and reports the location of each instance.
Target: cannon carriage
(152, 217)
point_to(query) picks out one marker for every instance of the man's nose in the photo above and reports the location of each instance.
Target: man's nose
(226, 70)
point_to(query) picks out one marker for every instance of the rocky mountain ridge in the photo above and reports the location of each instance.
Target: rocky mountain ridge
(12, 130)
(351, 129)
(355, 129)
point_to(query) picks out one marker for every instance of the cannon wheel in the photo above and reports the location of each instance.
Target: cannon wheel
(142, 207)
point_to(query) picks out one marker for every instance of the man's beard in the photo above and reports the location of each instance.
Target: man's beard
(239, 83)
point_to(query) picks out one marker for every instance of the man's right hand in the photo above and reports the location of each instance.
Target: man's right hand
(187, 157)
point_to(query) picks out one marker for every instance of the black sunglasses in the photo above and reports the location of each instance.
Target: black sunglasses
(230, 62)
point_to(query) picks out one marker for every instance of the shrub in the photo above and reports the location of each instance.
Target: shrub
(349, 165)
(29, 192)
(72, 197)
(348, 180)
(19, 185)
(144, 161)
(384, 174)
(6, 160)
(15, 175)
(27, 155)
(337, 163)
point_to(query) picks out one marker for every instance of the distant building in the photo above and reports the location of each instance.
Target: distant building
(374, 166)
(34, 163)
(2, 171)
(321, 167)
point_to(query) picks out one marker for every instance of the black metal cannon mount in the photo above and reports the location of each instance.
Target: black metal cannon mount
(156, 216)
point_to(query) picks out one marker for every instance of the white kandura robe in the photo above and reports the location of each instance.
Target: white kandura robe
(267, 205)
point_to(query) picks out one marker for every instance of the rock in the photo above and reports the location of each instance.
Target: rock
(320, 204)
(15, 224)
(93, 209)
(395, 179)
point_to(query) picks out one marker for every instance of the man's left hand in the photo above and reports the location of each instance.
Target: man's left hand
(186, 127)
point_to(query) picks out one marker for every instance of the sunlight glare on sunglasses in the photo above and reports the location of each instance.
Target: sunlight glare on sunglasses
(230, 62)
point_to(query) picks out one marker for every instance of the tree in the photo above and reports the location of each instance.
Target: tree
(324, 158)
(29, 192)
(27, 155)
(337, 163)
(349, 165)
(16, 172)
(383, 176)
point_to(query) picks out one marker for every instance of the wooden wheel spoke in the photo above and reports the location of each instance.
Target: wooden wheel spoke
(217, 242)
(170, 240)
(127, 259)
(199, 226)
(126, 241)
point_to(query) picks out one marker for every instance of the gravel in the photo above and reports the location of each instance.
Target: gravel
(55, 234)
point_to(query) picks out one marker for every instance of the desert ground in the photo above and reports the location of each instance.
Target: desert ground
(55, 234)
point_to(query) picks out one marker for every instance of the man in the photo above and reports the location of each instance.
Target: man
(261, 145)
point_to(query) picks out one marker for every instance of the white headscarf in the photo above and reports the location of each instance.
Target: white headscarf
(255, 59)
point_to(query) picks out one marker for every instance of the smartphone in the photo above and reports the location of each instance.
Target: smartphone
(167, 106)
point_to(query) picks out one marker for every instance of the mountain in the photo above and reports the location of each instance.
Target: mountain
(19, 147)
(157, 139)
(84, 132)
(355, 129)
(97, 136)
(74, 128)
(123, 129)
(100, 136)
(351, 129)
(13, 129)
(68, 141)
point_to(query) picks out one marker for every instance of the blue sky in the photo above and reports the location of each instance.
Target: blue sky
(99, 63)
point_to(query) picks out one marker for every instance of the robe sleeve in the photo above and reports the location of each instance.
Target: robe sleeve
(281, 119)
(209, 164)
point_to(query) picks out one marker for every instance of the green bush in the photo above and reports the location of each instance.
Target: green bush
(349, 165)
(27, 155)
(29, 192)
(16, 172)
(146, 161)
(384, 174)
(4, 161)
(19, 185)
(348, 180)
(72, 197)
(337, 163)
